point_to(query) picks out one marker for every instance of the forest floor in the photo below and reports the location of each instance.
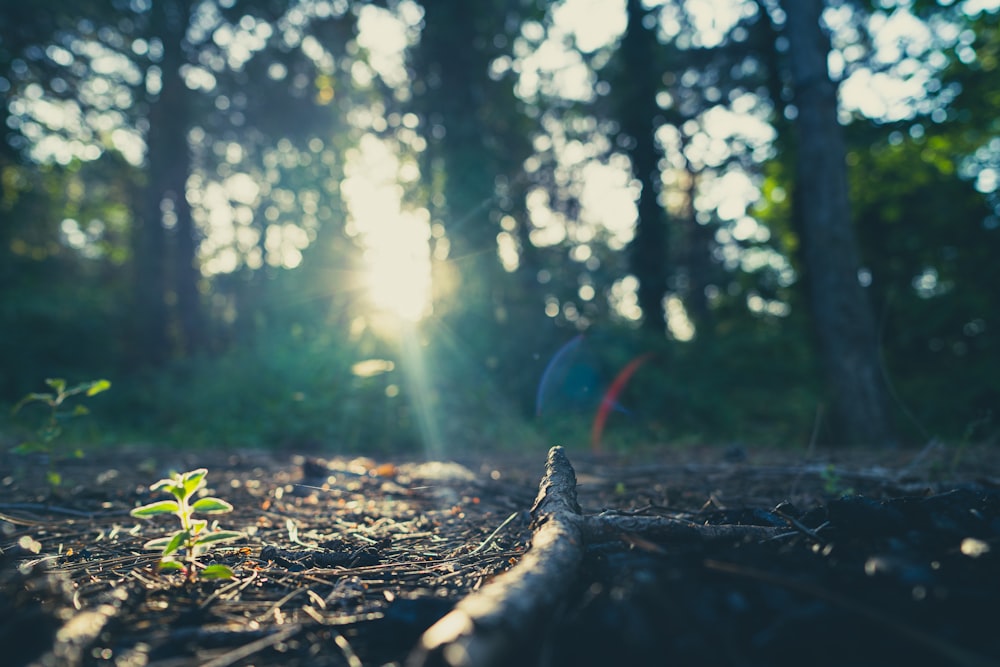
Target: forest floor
(692, 556)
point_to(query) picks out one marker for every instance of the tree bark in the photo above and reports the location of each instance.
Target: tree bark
(636, 114)
(149, 309)
(167, 273)
(452, 68)
(175, 167)
(841, 312)
(613, 526)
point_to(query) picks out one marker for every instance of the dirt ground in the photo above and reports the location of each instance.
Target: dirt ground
(867, 560)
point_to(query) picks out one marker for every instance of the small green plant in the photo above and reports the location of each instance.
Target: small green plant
(195, 536)
(833, 483)
(51, 428)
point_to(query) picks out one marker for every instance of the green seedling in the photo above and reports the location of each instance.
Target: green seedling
(833, 484)
(51, 427)
(195, 536)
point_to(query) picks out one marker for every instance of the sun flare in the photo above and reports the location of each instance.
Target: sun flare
(397, 262)
(398, 272)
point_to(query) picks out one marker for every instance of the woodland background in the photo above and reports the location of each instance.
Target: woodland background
(371, 226)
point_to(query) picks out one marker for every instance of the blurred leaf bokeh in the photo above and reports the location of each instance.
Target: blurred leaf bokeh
(364, 226)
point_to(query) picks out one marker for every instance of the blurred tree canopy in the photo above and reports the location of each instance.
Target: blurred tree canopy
(338, 223)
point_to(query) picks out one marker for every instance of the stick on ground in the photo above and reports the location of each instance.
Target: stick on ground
(496, 624)
(610, 526)
(491, 625)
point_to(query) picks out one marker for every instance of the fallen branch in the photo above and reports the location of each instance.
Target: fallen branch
(604, 527)
(491, 625)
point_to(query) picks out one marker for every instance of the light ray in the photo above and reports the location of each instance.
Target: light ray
(420, 389)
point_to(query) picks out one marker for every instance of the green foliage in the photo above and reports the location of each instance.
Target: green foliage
(287, 389)
(195, 536)
(298, 388)
(62, 307)
(754, 382)
(52, 428)
(928, 278)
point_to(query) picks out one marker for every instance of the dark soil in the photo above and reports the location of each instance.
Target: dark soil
(891, 561)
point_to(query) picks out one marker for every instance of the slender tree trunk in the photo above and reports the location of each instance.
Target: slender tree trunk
(636, 114)
(149, 346)
(149, 311)
(176, 154)
(168, 273)
(696, 258)
(452, 69)
(841, 312)
(691, 254)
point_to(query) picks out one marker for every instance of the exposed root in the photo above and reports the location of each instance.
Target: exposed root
(489, 626)
(610, 526)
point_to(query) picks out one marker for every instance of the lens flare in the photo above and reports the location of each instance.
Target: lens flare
(610, 399)
(555, 371)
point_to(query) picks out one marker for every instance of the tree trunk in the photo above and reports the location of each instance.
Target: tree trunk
(149, 345)
(691, 254)
(637, 110)
(168, 273)
(458, 101)
(175, 100)
(841, 312)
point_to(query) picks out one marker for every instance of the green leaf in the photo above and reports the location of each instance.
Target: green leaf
(171, 486)
(97, 387)
(49, 433)
(80, 411)
(217, 571)
(30, 448)
(179, 539)
(31, 398)
(87, 388)
(194, 480)
(159, 544)
(211, 506)
(54, 478)
(219, 536)
(59, 384)
(170, 565)
(161, 507)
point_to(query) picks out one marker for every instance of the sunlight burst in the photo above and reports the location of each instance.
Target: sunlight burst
(397, 251)
(398, 272)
